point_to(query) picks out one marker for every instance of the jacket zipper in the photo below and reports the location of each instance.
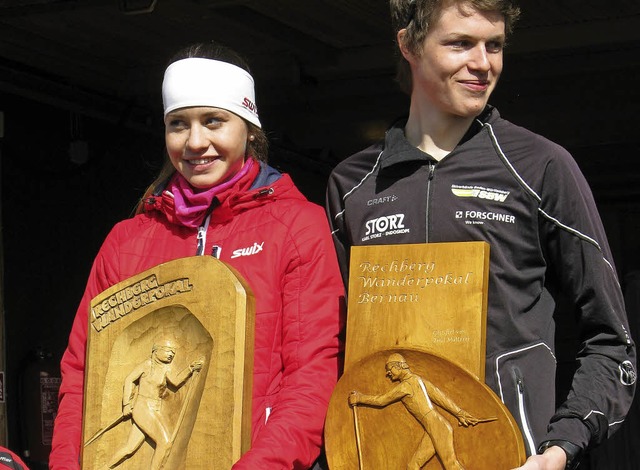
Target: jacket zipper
(432, 170)
(528, 435)
(202, 236)
(264, 192)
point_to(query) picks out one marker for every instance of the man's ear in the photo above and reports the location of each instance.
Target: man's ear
(402, 45)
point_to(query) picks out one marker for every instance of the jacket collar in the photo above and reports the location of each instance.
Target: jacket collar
(268, 186)
(397, 148)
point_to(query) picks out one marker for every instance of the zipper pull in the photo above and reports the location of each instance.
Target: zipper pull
(264, 192)
(432, 170)
(202, 236)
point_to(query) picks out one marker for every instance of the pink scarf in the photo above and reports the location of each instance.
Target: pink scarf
(190, 206)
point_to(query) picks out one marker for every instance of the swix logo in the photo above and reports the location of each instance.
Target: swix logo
(250, 250)
(250, 105)
(479, 192)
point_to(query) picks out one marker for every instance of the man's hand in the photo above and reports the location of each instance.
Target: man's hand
(554, 458)
(127, 410)
(354, 398)
(196, 365)
(465, 419)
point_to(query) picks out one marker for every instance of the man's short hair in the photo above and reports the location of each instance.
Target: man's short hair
(417, 15)
(398, 360)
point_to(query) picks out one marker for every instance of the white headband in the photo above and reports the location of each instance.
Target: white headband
(205, 82)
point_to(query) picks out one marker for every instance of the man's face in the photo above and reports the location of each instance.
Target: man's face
(165, 354)
(393, 371)
(460, 62)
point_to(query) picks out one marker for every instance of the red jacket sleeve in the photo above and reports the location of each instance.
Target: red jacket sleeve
(312, 319)
(67, 431)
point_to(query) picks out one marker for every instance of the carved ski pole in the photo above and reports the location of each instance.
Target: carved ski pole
(111, 425)
(192, 384)
(357, 428)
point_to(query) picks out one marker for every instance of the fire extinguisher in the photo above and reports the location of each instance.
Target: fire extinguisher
(40, 382)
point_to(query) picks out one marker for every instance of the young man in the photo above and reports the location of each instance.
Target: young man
(454, 170)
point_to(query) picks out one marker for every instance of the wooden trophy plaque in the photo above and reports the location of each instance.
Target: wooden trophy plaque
(412, 394)
(432, 296)
(168, 376)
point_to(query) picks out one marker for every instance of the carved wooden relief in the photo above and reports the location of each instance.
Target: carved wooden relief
(380, 416)
(169, 370)
(412, 394)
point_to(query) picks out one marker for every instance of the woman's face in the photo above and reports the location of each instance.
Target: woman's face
(206, 145)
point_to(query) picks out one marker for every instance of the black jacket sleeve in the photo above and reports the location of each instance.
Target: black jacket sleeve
(581, 266)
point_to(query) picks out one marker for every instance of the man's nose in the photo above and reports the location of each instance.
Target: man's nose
(480, 58)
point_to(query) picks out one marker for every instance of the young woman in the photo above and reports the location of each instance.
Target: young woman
(214, 197)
